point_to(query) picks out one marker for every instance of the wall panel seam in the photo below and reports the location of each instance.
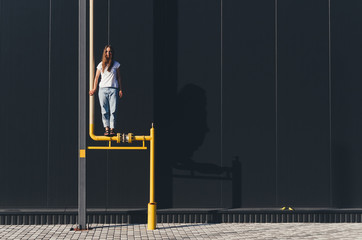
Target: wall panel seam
(221, 92)
(330, 104)
(49, 99)
(276, 99)
(109, 22)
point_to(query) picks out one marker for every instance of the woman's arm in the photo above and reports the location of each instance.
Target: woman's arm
(119, 83)
(91, 92)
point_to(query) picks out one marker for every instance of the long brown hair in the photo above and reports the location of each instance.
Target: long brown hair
(107, 62)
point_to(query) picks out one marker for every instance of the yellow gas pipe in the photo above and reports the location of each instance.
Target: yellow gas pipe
(152, 205)
(124, 138)
(151, 221)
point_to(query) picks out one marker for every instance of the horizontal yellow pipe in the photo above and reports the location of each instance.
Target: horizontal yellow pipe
(142, 138)
(119, 148)
(104, 138)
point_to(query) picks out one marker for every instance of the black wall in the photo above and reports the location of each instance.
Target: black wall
(255, 103)
(346, 52)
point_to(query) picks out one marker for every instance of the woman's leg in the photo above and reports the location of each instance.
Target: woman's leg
(103, 100)
(113, 96)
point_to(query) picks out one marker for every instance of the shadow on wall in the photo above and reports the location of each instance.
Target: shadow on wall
(180, 117)
(190, 121)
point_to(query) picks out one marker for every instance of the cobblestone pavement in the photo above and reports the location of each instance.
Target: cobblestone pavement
(189, 231)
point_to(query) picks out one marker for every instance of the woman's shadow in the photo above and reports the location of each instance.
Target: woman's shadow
(191, 122)
(188, 128)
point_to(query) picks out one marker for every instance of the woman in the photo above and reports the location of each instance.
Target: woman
(109, 88)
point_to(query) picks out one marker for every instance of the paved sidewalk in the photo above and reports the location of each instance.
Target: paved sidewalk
(189, 231)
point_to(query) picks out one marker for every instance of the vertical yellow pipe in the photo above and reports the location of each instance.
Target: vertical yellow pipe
(91, 68)
(152, 205)
(152, 165)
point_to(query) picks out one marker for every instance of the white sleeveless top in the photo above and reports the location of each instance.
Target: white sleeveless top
(109, 79)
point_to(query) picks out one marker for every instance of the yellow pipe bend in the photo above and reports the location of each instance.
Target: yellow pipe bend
(99, 138)
(104, 138)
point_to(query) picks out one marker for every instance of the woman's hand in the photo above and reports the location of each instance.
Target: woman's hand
(120, 93)
(91, 92)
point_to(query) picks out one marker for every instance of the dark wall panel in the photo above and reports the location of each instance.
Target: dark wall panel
(248, 99)
(128, 179)
(24, 103)
(198, 106)
(303, 104)
(165, 92)
(63, 99)
(346, 94)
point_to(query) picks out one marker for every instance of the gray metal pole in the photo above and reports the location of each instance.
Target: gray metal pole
(82, 116)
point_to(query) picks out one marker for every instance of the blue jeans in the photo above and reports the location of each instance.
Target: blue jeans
(108, 101)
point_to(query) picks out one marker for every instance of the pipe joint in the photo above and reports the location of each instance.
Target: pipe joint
(118, 137)
(127, 138)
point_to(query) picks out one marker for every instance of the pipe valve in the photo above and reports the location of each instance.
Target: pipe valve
(127, 138)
